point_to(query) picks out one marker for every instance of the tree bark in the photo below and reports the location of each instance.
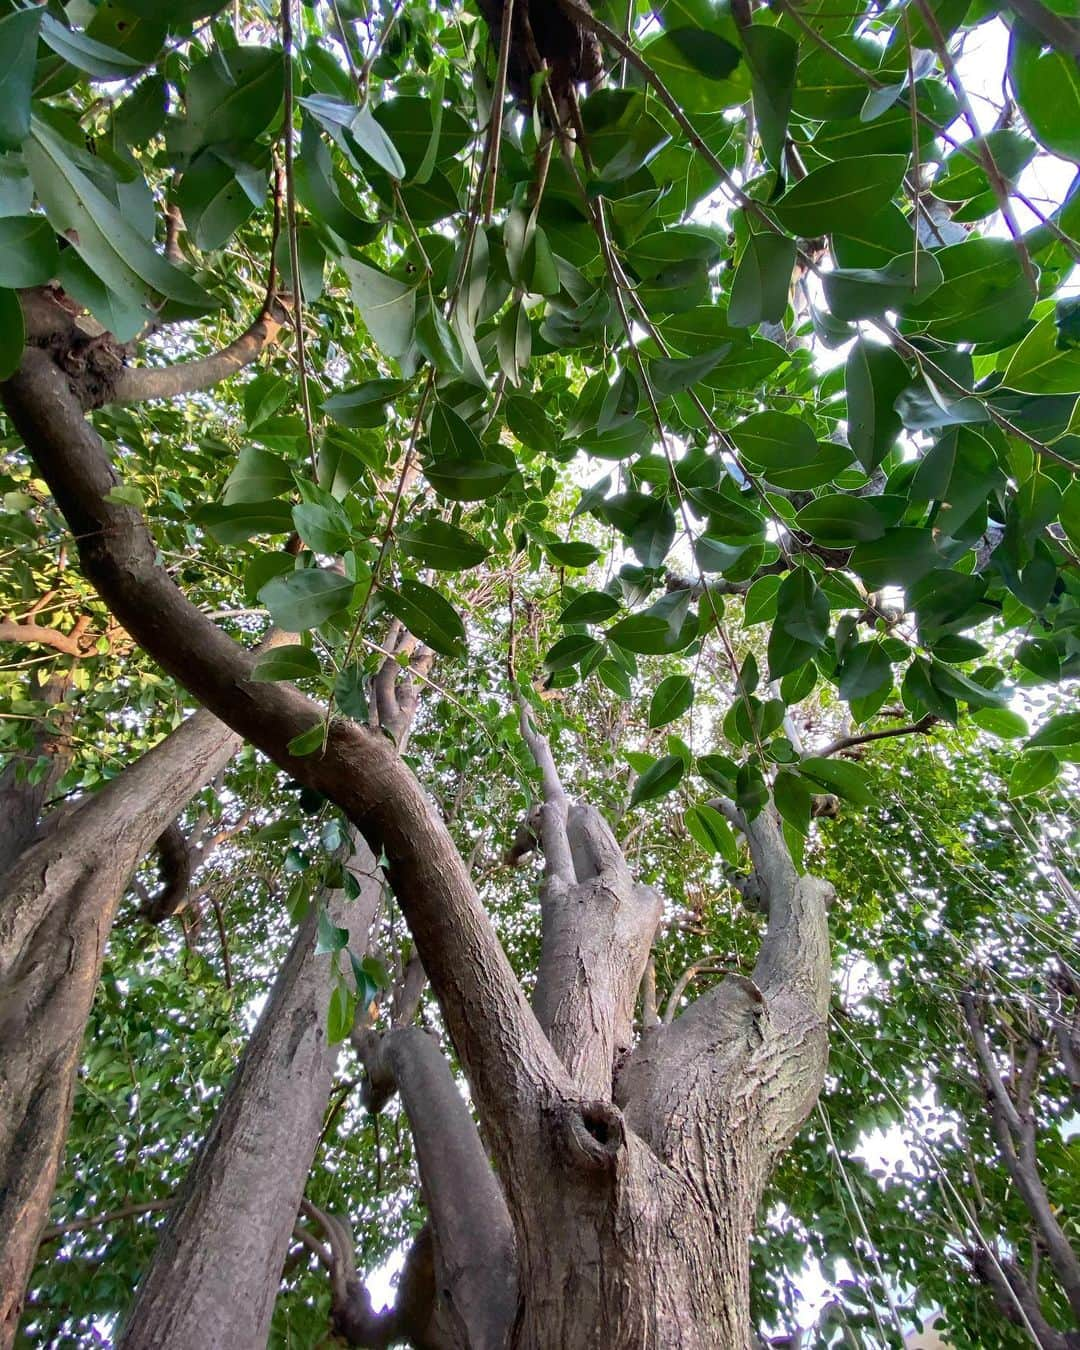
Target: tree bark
(218, 1260)
(55, 915)
(632, 1187)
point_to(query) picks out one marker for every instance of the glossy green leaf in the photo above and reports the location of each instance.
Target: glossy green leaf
(707, 827)
(302, 600)
(428, 615)
(435, 543)
(837, 194)
(286, 663)
(671, 698)
(658, 780)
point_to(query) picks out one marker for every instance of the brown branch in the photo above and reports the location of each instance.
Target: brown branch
(501, 1046)
(920, 727)
(145, 383)
(59, 1230)
(707, 965)
(76, 643)
(219, 921)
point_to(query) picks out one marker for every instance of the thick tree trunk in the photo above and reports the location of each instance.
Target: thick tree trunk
(20, 800)
(215, 1273)
(632, 1186)
(55, 915)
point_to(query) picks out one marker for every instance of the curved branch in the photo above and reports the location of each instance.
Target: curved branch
(921, 727)
(35, 635)
(145, 383)
(504, 1053)
(553, 819)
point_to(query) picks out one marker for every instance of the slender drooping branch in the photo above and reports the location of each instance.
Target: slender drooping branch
(504, 1053)
(1012, 1121)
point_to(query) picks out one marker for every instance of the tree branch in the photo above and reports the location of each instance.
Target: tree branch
(923, 725)
(75, 643)
(474, 1240)
(558, 864)
(1055, 30)
(145, 383)
(504, 1053)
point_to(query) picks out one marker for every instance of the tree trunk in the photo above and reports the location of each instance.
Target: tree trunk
(218, 1261)
(20, 800)
(55, 915)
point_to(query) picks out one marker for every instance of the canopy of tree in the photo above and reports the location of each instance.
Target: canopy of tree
(540, 612)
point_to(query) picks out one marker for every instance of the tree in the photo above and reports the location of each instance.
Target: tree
(444, 315)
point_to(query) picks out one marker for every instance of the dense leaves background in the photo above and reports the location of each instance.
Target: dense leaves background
(751, 425)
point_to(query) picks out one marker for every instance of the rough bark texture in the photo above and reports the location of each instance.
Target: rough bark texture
(631, 1180)
(218, 1260)
(55, 914)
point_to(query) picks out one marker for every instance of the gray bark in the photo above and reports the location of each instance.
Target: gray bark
(55, 915)
(214, 1275)
(218, 1262)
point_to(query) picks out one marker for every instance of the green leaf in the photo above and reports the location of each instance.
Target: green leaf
(464, 480)
(695, 65)
(671, 698)
(842, 776)
(258, 476)
(962, 178)
(340, 1014)
(12, 333)
(447, 548)
(900, 557)
(387, 306)
(592, 607)
(324, 529)
(85, 54)
(707, 827)
(802, 608)
(772, 56)
(865, 668)
(364, 405)
(308, 741)
(775, 440)
(837, 195)
(232, 95)
(1040, 366)
(672, 375)
(374, 141)
(1061, 731)
(658, 779)
(329, 938)
(862, 292)
(875, 376)
(18, 44)
(759, 606)
(427, 615)
(794, 800)
(1033, 770)
(28, 252)
(125, 262)
(570, 651)
(1001, 722)
(1047, 88)
(350, 692)
(572, 552)
(286, 663)
(839, 519)
(762, 282)
(238, 521)
(302, 600)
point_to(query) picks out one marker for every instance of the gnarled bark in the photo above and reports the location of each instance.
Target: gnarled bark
(55, 914)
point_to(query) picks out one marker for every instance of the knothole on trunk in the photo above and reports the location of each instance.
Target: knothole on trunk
(595, 1133)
